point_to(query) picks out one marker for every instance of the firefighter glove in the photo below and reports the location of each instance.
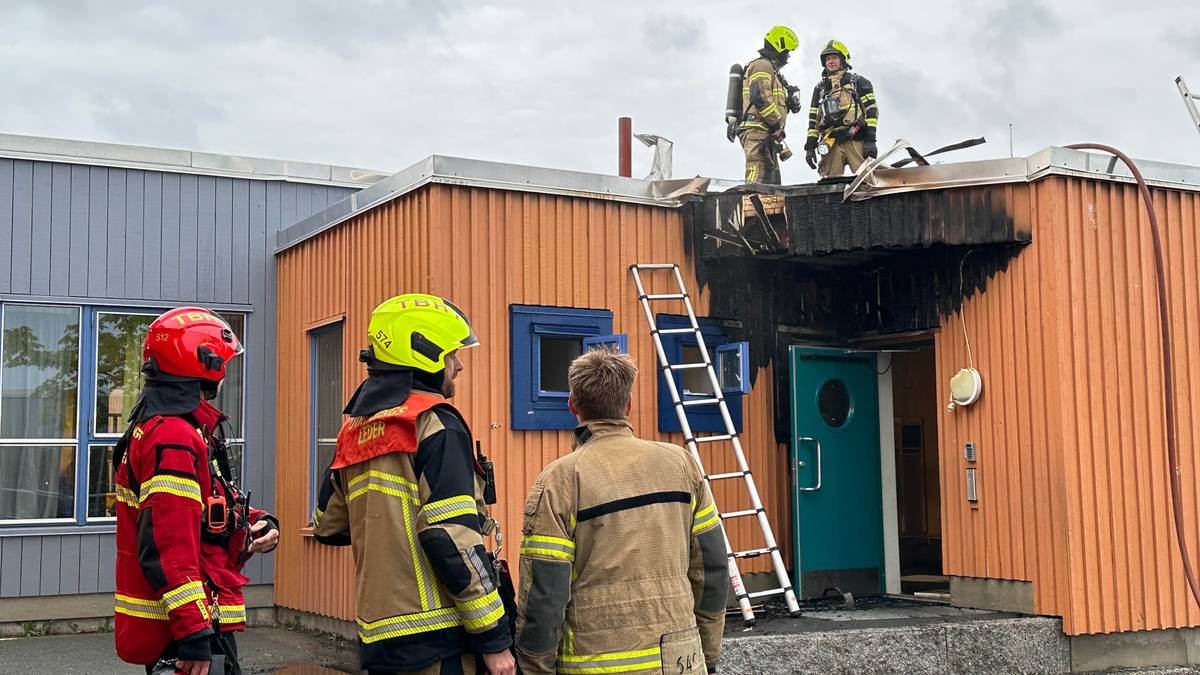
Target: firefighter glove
(810, 156)
(870, 151)
(811, 143)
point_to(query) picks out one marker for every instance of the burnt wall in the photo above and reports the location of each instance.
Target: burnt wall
(833, 300)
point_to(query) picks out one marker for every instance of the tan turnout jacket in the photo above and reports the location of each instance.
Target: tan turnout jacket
(623, 567)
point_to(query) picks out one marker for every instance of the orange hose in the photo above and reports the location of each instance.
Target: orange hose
(1168, 361)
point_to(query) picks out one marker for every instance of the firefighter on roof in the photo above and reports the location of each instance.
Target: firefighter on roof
(765, 107)
(842, 117)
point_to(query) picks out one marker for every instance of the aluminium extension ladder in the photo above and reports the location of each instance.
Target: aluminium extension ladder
(693, 441)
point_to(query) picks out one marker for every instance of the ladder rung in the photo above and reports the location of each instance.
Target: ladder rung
(739, 514)
(715, 437)
(752, 553)
(763, 594)
(723, 476)
(654, 266)
(665, 296)
(675, 331)
(687, 366)
(702, 401)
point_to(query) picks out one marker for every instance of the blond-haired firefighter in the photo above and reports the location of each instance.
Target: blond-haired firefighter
(404, 490)
(623, 567)
(842, 117)
(765, 106)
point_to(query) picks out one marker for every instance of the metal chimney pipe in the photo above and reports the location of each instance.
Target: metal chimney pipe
(625, 147)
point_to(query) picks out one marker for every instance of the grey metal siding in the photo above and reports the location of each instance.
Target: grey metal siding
(95, 234)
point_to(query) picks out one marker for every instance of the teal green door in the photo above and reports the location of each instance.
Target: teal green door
(836, 493)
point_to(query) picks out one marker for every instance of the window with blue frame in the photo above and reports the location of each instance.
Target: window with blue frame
(325, 401)
(731, 366)
(543, 342)
(69, 377)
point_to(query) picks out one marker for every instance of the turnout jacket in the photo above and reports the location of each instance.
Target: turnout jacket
(855, 96)
(404, 491)
(623, 566)
(764, 97)
(172, 584)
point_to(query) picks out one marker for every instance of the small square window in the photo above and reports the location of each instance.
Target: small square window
(556, 357)
(731, 366)
(544, 341)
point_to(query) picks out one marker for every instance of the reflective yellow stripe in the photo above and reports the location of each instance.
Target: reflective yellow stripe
(408, 624)
(140, 607)
(771, 109)
(812, 133)
(424, 582)
(183, 594)
(316, 515)
(373, 473)
(614, 662)
(868, 97)
(812, 110)
(758, 76)
(232, 614)
(173, 485)
(554, 547)
(872, 121)
(445, 509)
(126, 496)
(481, 612)
(380, 481)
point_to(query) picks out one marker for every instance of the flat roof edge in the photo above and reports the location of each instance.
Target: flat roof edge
(36, 148)
(1051, 161)
(474, 173)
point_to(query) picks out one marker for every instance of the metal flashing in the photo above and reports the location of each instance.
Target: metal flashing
(67, 151)
(476, 173)
(1054, 161)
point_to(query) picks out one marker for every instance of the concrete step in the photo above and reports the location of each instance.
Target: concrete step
(992, 646)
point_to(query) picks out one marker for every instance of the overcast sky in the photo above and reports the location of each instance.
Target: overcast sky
(383, 84)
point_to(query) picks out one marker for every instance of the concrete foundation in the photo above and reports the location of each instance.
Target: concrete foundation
(93, 613)
(998, 595)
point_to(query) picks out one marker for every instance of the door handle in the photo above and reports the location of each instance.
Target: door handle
(800, 465)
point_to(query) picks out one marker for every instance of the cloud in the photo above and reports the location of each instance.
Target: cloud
(383, 84)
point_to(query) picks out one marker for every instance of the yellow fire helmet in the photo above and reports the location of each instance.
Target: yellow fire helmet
(836, 47)
(416, 330)
(782, 39)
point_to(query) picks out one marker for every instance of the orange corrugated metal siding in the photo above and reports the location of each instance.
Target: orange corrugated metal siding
(1073, 480)
(486, 249)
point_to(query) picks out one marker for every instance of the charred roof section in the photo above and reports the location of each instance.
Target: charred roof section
(812, 222)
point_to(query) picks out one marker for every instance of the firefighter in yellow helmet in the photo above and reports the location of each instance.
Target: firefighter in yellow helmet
(623, 565)
(765, 106)
(404, 490)
(842, 117)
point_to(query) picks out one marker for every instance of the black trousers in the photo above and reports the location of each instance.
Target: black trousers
(222, 644)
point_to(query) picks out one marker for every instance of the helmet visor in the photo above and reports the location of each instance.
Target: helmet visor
(470, 340)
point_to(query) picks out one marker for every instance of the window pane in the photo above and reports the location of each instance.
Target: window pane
(729, 370)
(37, 482)
(327, 378)
(40, 375)
(327, 400)
(325, 453)
(102, 498)
(230, 400)
(236, 457)
(695, 380)
(119, 376)
(557, 354)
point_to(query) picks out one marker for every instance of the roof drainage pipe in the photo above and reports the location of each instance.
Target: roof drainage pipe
(1168, 360)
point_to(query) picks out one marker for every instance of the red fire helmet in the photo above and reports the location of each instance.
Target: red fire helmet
(191, 342)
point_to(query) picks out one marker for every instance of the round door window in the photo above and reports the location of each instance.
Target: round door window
(833, 402)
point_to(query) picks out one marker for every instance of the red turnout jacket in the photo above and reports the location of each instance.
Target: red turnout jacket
(171, 586)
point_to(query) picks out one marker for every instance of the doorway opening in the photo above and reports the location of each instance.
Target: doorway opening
(918, 491)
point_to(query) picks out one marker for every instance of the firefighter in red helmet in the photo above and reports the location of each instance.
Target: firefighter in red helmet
(184, 528)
